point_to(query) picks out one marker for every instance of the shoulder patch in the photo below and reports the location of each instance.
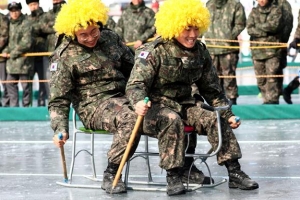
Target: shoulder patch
(53, 67)
(143, 54)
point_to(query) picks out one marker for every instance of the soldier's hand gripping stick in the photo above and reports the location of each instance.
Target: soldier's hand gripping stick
(129, 145)
(63, 159)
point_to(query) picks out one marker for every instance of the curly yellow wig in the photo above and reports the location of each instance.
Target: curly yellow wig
(176, 15)
(78, 14)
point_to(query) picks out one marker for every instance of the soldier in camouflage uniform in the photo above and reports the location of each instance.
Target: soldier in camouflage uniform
(3, 42)
(89, 70)
(136, 23)
(294, 84)
(37, 21)
(228, 21)
(111, 24)
(287, 17)
(49, 20)
(164, 71)
(18, 67)
(265, 25)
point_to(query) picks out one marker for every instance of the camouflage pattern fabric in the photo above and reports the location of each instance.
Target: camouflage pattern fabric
(20, 41)
(86, 78)
(297, 32)
(270, 88)
(265, 24)
(228, 20)
(110, 24)
(226, 65)
(40, 29)
(115, 115)
(136, 23)
(287, 18)
(49, 21)
(165, 72)
(3, 33)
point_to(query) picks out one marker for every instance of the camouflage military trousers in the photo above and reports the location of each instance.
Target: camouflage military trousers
(270, 87)
(226, 66)
(168, 127)
(205, 123)
(115, 116)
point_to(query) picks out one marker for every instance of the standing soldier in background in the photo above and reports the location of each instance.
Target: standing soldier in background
(3, 42)
(136, 24)
(111, 24)
(36, 20)
(294, 84)
(51, 37)
(18, 67)
(50, 20)
(287, 18)
(265, 25)
(228, 21)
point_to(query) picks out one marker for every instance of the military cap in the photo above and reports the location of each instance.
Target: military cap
(14, 5)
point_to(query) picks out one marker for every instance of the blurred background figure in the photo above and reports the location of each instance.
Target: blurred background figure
(3, 42)
(228, 20)
(37, 23)
(287, 18)
(19, 67)
(136, 24)
(155, 6)
(294, 84)
(110, 24)
(265, 24)
(49, 21)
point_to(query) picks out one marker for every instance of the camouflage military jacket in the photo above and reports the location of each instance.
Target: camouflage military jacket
(287, 18)
(265, 25)
(165, 72)
(227, 22)
(20, 41)
(3, 34)
(85, 77)
(110, 24)
(136, 24)
(41, 29)
(49, 20)
(297, 33)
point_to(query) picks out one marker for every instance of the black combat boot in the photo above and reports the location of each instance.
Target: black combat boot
(195, 176)
(109, 177)
(294, 84)
(175, 186)
(238, 178)
(233, 101)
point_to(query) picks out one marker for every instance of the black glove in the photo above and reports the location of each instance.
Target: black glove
(294, 43)
(198, 97)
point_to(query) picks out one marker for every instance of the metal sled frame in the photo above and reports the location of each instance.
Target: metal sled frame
(136, 185)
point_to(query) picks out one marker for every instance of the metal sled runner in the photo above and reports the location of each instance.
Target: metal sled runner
(149, 184)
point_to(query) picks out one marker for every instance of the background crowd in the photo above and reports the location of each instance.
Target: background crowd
(269, 22)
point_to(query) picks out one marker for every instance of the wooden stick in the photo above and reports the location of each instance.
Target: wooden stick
(63, 159)
(128, 148)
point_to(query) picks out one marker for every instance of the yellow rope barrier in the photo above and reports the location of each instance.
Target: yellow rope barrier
(276, 45)
(237, 76)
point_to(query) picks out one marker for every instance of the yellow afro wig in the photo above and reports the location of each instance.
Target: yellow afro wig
(77, 14)
(176, 15)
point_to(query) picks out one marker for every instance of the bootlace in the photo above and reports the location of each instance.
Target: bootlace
(240, 174)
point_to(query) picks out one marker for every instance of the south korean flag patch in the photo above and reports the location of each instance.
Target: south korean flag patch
(143, 54)
(53, 67)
